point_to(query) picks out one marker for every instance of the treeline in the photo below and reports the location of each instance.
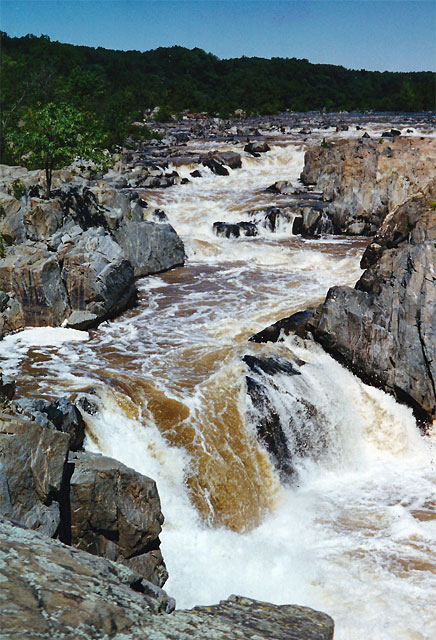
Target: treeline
(117, 86)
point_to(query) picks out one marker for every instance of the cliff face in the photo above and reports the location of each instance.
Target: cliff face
(362, 180)
(385, 328)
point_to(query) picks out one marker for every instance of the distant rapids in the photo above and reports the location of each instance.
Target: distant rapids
(355, 535)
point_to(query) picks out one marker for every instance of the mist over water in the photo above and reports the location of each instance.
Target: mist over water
(355, 534)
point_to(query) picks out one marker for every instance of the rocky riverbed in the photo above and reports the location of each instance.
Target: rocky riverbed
(75, 260)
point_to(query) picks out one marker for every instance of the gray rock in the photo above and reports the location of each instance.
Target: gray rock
(32, 274)
(98, 278)
(150, 247)
(31, 470)
(257, 147)
(115, 513)
(385, 328)
(50, 591)
(363, 180)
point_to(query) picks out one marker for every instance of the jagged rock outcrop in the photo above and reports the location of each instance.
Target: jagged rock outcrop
(385, 328)
(31, 472)
(32, 275)
(365, 179)
(61, 414)
(90, 501)
(98, 278)
(74, 258)
(150, 247)
(49, 590)
(115, 513)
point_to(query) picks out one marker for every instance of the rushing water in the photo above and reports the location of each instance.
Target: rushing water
(355, 535)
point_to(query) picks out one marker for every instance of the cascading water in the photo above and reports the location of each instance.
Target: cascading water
(354, 534)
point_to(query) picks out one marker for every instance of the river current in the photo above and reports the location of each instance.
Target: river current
(355, 535)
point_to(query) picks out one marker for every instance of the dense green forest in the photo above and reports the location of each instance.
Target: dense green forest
(116, 86)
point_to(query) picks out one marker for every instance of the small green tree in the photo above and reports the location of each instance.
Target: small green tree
(53, 136)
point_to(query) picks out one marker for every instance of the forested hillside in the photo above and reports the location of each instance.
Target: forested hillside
(117, 85)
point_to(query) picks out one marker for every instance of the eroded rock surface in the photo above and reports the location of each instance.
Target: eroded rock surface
(385, 328)
(49, 590)
(32, 460)
(75, 257)
(364, 179)
(90, 501)
(115, 513)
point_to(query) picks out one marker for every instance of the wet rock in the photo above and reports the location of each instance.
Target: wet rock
(115, 513)
(393, 133)
(230, 159)
(98, 277)
(362, 183)
(297, 323)
(7, 387)
(288, 425)
(257, 147)
(282, 186)
(313, 222)
(215, 166)
(384, 329)
(31, 473)
(234, 230)
(150, 247)
(195, 174)
(271, 218)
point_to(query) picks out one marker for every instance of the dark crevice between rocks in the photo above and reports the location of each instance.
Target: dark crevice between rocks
(153, 545)
(64, 530)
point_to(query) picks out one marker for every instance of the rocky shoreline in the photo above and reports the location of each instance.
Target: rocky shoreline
(80, 554)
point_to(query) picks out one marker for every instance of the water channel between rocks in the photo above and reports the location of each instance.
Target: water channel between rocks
(355, 536)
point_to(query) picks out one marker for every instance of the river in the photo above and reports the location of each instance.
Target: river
(355, 534)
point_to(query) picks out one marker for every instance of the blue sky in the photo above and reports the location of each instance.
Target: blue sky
(392, 35)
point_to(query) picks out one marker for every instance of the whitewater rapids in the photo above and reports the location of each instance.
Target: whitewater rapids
(355, 536)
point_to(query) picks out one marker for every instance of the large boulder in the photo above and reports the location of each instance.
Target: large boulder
(150, 247)
(32, 274)
(98, 278)
(365, 179)
(385, 328)
(115, 513)
(32, 460)
(50, 591)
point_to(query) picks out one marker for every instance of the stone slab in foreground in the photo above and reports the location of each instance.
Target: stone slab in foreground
(51, 591)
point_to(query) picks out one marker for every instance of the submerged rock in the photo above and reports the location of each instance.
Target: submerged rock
(288, 425)
(234, 229)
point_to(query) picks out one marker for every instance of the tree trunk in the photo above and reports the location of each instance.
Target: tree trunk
(48, 175)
